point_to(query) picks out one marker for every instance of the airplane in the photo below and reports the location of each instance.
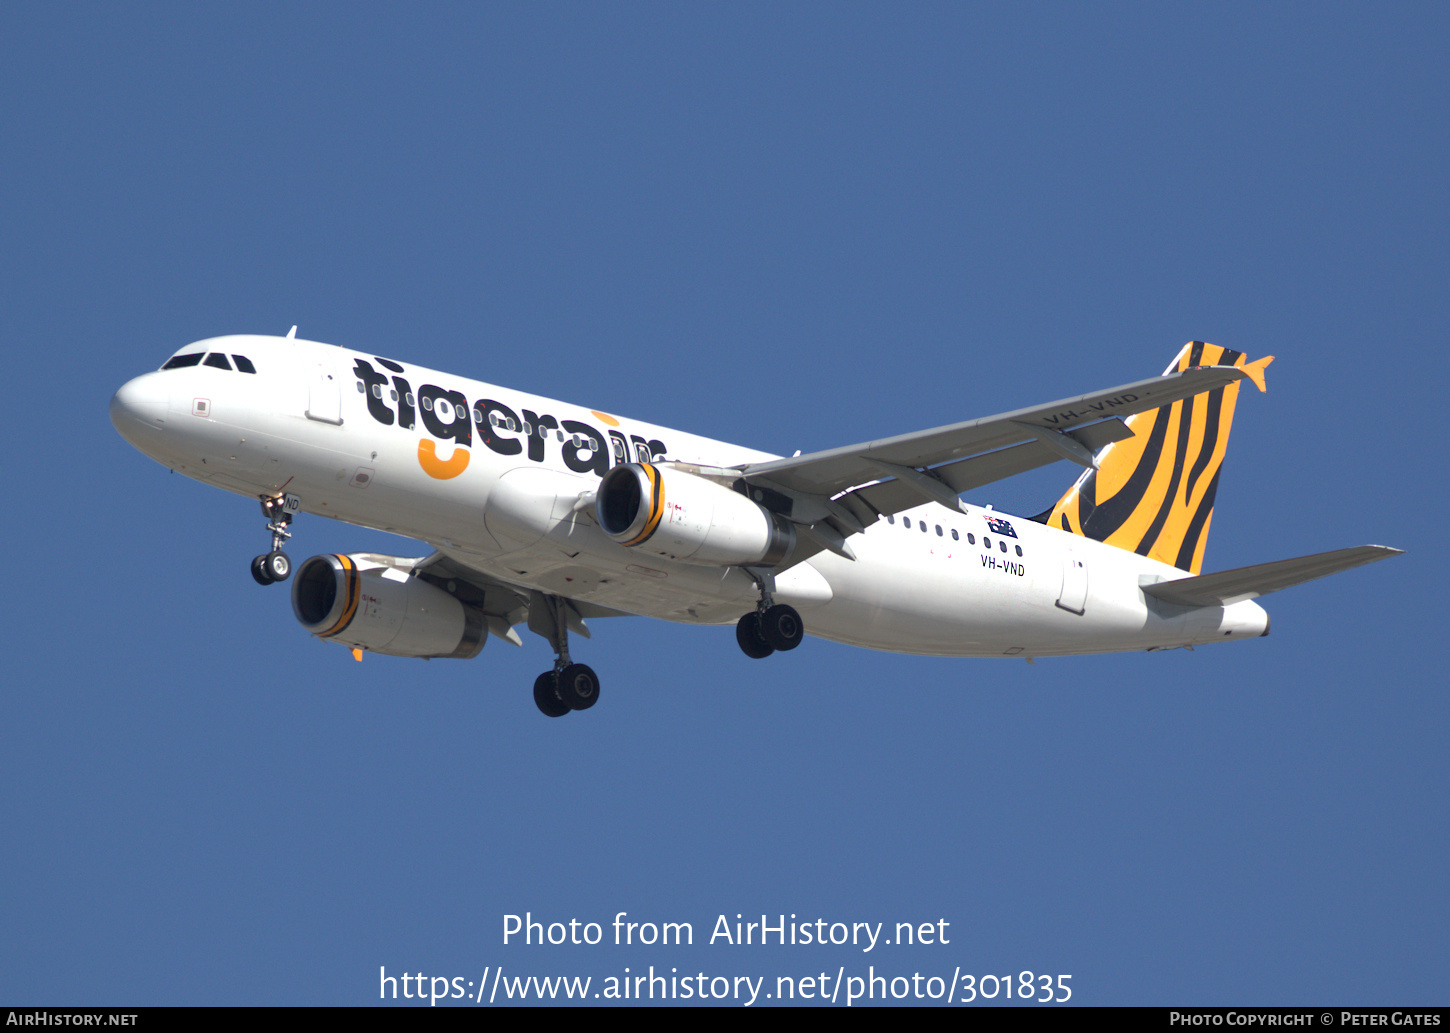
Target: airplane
(546, 514)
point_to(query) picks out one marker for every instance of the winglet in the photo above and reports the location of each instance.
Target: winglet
(1255, 370)
(357, 654)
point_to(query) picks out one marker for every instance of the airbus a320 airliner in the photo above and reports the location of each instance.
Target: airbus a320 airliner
(546, 514)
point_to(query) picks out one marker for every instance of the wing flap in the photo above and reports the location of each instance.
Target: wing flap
(1233, 586)
(891, 497)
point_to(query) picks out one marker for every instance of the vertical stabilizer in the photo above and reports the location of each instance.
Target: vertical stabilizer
(1153, 493)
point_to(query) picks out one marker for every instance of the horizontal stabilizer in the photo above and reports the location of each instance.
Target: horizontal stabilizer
(1233, 586)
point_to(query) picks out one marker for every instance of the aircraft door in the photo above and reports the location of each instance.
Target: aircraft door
(1073, 596)
(324, 395)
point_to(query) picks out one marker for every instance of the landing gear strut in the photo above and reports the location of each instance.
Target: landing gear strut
(772, 626)
(569, 686)
(276, 565)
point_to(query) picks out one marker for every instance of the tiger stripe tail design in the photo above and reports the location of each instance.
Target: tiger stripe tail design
(1153, 492)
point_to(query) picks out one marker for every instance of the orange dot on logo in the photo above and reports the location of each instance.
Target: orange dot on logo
(442, 469)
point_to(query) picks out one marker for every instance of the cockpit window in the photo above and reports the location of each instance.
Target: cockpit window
(219, 361)
(244, 364)
(179, 361)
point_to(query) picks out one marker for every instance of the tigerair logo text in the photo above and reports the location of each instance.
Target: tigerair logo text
(450, 422)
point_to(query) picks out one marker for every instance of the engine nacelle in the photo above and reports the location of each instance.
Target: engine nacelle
(380, 608)
(678, 515)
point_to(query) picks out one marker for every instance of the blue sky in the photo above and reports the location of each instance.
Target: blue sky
(792, 227)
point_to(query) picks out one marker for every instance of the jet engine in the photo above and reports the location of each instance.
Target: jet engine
(681, 516)
(383, 609)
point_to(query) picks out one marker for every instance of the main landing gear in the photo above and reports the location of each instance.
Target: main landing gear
(771, 626)
(274, 566)
(569, 686)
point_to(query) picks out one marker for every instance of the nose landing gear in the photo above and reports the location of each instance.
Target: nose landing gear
(274, 566)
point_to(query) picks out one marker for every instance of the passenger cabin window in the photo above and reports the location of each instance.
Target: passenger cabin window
(986, 542)
(1019, 550)
(181, 361)
(890, 519)
(971, 538)
(1001, 545)
(955, 537)
(244, 364)
(938, 530)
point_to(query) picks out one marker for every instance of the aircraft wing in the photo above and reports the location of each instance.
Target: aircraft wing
(504, 604)
(1233, 586)
(841, 491)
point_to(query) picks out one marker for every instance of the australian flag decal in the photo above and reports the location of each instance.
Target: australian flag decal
(1002, 527)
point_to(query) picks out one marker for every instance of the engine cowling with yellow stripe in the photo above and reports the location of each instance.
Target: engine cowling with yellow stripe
(682, 516)
(374, 606)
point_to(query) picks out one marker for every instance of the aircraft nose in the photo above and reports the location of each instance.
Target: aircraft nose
(140, 406)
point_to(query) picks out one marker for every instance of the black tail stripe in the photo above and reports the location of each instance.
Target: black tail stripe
(1210, 440)
(1112, 513)
(1196, 525)
(1180, 456)
(1195, 357)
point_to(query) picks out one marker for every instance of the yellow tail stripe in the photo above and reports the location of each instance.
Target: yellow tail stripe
(1132, 530)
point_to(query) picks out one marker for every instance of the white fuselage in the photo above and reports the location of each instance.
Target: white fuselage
(930, 580)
